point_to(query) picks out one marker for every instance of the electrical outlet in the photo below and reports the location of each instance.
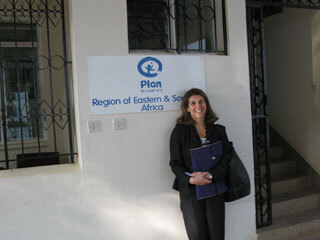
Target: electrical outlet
(94, 126)
(119, 124)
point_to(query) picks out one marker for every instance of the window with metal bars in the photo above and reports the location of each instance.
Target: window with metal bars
(177, 25)
(17, 43)
(35, 107)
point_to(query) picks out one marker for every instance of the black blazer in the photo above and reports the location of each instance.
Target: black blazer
(183, 138)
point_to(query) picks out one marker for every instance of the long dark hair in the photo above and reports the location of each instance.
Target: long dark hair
(185, 118)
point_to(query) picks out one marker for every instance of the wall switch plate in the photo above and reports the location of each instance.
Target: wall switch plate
(119, 124)
(94, 126)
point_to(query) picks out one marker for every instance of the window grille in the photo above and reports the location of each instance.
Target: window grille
(35, 104)
(177, 25)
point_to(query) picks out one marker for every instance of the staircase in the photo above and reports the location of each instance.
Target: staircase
(295, 199)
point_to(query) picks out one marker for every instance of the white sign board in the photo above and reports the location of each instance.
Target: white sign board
(128, 84)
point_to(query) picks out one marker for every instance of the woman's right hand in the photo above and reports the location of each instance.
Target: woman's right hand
(200, 179)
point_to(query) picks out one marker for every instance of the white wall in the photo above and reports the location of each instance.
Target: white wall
(292, 50)
(124, 188)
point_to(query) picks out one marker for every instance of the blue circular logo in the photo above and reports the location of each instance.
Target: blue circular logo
(149, 67)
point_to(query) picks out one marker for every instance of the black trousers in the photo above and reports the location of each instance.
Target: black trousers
(204, 219)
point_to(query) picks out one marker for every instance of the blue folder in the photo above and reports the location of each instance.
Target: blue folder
(204, 159)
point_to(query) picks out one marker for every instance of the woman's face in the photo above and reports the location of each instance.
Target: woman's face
(197, 107)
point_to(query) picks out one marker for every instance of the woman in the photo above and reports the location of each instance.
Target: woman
(204, 219)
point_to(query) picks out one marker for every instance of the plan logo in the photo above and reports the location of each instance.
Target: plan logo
(149, 67)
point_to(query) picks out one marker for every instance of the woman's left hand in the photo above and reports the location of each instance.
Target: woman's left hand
(200, 179)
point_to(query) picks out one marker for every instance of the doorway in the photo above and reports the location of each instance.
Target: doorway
(282, 45)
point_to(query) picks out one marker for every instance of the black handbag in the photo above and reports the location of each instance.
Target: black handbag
(238, 181)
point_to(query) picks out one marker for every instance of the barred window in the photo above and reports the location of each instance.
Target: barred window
(18, 42)
(177, 25)
(35, 108)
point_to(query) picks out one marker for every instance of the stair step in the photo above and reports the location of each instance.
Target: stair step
(289, 183)
(310, 237)
(292, 226)
(275, 152)
(294, 202)
(280, 167)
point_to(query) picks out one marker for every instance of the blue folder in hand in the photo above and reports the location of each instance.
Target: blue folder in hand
(204, 159)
